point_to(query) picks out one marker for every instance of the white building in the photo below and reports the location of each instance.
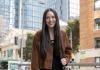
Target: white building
(12, 42)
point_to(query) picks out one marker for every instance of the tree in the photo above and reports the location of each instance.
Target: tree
(73, 26)
(28, 49)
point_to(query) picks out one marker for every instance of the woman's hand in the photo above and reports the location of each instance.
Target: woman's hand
(64, 61)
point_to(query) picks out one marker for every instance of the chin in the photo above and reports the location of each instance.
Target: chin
(51, 26)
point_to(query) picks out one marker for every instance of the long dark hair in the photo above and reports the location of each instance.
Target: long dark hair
(45, 39)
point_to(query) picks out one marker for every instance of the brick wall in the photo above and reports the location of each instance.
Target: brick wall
(87, 29)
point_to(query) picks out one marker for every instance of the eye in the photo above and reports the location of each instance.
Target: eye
(53, 16)
(47, 17)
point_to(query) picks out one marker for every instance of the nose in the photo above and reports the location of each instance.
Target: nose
(51, 19)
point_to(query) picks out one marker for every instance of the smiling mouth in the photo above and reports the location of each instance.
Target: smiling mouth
(51, 23)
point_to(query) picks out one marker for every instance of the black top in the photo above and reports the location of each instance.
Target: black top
(56, 62)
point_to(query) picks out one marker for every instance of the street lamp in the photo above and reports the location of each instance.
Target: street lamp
(20, 22)
(21, 27)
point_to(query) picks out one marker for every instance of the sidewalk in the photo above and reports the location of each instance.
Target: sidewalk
(85, 68)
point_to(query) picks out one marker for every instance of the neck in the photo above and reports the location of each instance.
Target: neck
(51, 30)
(51, 33)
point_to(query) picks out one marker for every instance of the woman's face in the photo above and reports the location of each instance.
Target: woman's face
(50, 19)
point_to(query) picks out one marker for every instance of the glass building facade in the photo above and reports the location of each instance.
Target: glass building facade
(5, 17)
(5, 12)
(74, 8)
(66, 9)
(16, 9)
(32, 14)
(32, 11)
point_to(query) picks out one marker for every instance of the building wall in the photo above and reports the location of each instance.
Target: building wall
(96, 32)
(9, 50)
(67, 9)
(87, 26)
(5, 11)
(62, 7)
(74, 8)
(2, 28)
(31, 15)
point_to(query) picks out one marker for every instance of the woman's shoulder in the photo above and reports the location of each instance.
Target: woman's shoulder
(38, 33)
(63, 32)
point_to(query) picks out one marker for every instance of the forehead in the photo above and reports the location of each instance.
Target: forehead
(50, 13)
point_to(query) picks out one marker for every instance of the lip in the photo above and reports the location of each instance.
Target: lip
(51, 23)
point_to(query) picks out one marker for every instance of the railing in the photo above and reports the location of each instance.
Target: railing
(83, 66)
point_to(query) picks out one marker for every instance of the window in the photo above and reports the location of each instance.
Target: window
(97, 4)
(97, 60)
(4, 53)
(97, 23)
(10, 52)
(97, 43)
(16, 40)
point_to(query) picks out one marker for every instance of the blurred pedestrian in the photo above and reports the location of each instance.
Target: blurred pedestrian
(51, 49)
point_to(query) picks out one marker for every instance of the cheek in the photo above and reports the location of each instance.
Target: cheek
(47, 20)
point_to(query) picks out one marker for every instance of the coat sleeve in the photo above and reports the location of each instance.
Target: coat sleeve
(34, 62)
(68, 49)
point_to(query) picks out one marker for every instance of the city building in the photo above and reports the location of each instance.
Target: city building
(27, 14)
(13, 41)
(4, 18)
(66, 9)
(32, 11)
(23, 16)
(74, 9)
(90, 30)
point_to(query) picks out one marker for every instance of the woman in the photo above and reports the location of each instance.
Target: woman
(51, 50)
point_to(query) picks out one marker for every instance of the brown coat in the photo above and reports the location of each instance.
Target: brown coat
(36, 61)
